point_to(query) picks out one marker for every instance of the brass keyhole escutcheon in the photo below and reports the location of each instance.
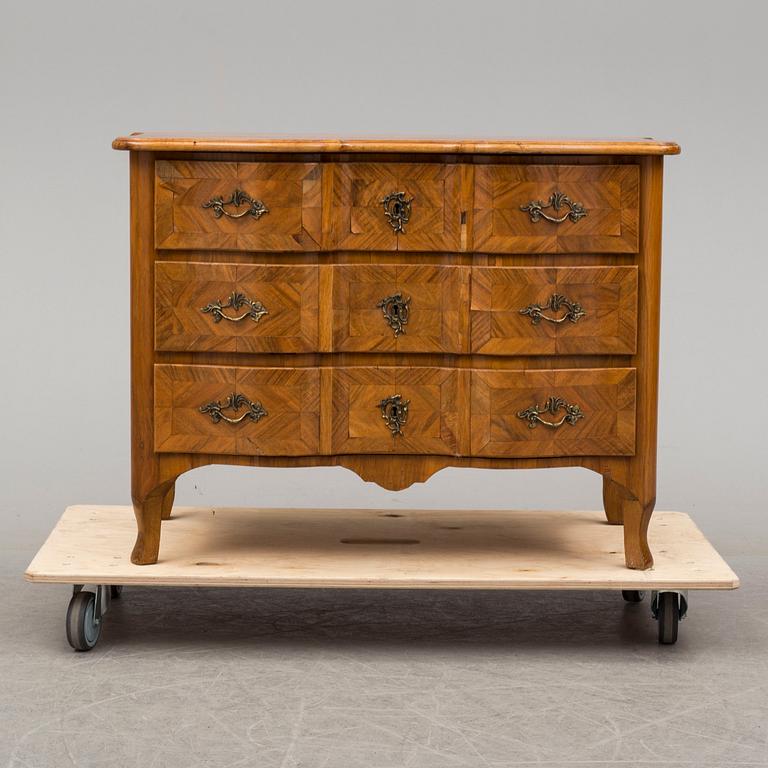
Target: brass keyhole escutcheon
(394, 411)
(396, 309)
(397, 209)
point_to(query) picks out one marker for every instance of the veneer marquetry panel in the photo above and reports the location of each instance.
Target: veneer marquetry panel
(606, 398)
(358, 221)
(606, 295)
(290, 396)
(437, 312)
(610, 195)
(437, 411)
(289, 294)
(290, 191)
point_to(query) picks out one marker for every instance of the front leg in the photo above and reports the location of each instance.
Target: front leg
(637, 516)
(149, 512)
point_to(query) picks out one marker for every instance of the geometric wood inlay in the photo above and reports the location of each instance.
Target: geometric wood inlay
(607, 295)
(290, 396)
(288, 293)
(290, 191)
(606, 397)
(609, 194)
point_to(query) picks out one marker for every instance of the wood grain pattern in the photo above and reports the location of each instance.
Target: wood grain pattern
(609, 194)
(357, 218)
(438, 309)
(288, 293)
(165, 142)
(291, 192)
(290, 396)
(434, 417)
(608, 296)
(606, 397)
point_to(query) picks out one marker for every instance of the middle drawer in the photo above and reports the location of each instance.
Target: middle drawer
(205, 307)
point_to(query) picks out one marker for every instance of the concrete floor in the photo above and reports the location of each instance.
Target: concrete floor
(372, 679)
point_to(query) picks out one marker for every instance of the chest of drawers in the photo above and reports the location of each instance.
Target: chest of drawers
(395, 307)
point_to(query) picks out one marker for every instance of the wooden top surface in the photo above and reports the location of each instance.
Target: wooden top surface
(375, 548)
(164, 142)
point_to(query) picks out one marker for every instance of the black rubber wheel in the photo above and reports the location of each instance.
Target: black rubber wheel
(633, 595)
(116, 591)
(83, 631)
(668, 614)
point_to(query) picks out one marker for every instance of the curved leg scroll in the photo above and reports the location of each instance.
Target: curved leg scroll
(148, 511)
(636, 518)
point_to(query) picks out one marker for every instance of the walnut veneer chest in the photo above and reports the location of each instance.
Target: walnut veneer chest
(395, 307)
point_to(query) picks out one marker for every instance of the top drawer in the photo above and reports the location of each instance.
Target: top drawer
(237, 206)
(556, 208)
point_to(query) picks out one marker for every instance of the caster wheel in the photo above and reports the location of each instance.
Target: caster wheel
(83, 631)
(668, 617)
(633, 595)
(116, 591)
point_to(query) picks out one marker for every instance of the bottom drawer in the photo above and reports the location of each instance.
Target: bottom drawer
(578, 412)
(237, 411)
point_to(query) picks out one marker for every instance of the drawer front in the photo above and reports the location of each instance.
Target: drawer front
(276, 410)
(426, 216)
(556, 208)
(400, 308)
(238, 206)
(235, 307)
(578, 412)
(554, 310)
(363, 396)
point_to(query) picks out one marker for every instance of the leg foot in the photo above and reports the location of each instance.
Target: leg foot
(167, 504)
(636, 518)
(613, 498)
(148, 515)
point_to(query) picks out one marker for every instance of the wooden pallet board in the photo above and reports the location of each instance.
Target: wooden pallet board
(452, 549)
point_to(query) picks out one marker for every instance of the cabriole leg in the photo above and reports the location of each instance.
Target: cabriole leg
(636, 518)
(148, 513)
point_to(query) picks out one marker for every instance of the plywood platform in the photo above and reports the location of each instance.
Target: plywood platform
(375, 548)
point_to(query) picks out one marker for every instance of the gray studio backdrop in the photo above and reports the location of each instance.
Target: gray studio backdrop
(74, 75)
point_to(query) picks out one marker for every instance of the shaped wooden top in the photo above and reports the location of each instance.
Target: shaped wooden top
(169, 142)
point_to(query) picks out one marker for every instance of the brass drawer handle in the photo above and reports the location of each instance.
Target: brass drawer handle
(533, 414)
(255, 207)
(556, 201)
(394, 411)
(397, 209)
(236, 301)
(556, 302)
(236, 401)
(396, 310)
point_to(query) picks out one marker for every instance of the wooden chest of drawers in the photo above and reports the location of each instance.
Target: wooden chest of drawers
(395, 307)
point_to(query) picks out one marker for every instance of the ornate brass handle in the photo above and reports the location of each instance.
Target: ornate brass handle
(556, 302)
(255, 207)
(394, 411)
(556, 201)
(554, 404)
(397, 209)
(395, 310)
(236, 401)
(236, 301)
